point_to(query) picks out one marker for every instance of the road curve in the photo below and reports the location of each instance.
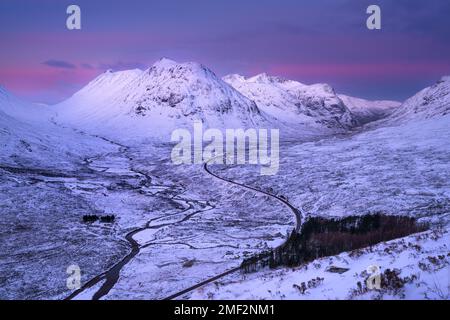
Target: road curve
(295, 211)
(111, 276)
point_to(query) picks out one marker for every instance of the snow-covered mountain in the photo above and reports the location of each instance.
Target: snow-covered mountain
(366, 110)
(165, 96)
(295, 103)
(19, 138)
(22, 110)
(171, 95)
(50, 176)
(430, 102)
(29, 138)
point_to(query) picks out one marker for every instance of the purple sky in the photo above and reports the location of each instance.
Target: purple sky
(310, 41)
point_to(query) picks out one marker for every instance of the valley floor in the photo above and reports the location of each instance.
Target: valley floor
(393, 170)
(185, 226)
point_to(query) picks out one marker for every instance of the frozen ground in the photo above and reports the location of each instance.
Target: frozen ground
(397, 170)
(186, 225)
(207, 228)
(178, 225)
(423, 261)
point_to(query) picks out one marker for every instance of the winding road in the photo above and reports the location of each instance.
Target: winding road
(111, 276)
(295, 211)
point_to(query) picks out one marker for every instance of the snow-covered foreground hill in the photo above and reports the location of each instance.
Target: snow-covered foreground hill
(421, 262)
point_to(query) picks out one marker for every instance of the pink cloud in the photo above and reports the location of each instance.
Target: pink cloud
(31, 82)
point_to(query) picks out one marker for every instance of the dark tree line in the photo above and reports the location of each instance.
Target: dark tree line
(320, 237)
(90, 218)
(94, 217)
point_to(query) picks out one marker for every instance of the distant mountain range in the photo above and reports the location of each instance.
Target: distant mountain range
(169, 95)
(136, 104)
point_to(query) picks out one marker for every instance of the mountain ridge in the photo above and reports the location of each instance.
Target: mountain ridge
(315, 105)
(165, 96)
(169, 95)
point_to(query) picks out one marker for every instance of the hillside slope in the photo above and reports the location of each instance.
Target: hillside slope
(295, 103)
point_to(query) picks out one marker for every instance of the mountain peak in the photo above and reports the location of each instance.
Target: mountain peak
(233, 77)
(168, 93)
(293, 102)
(265, 78)
(175, 70)
(323, 87)
(164, 63)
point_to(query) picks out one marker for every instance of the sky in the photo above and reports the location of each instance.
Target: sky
(306, 40)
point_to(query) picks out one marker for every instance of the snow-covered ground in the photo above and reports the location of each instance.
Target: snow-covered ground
(175, 225)
(40, 215)
(194, 226)
(366, 111)
(154, 102)
(294, 103)
(422, 260)
(396, 170)
(401, 170)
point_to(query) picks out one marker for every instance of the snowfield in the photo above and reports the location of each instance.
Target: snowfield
(295, 103)
(367, 111)
(399, 171)
(423, 261)
(396, 170)
(429, 103)
(154, 102)
(106, 151)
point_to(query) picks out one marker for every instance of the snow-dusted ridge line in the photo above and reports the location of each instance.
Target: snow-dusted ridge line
(294, 103)
(366, 111)
(29, 138)
(170, 95)
(155, 101)
(431, 102)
